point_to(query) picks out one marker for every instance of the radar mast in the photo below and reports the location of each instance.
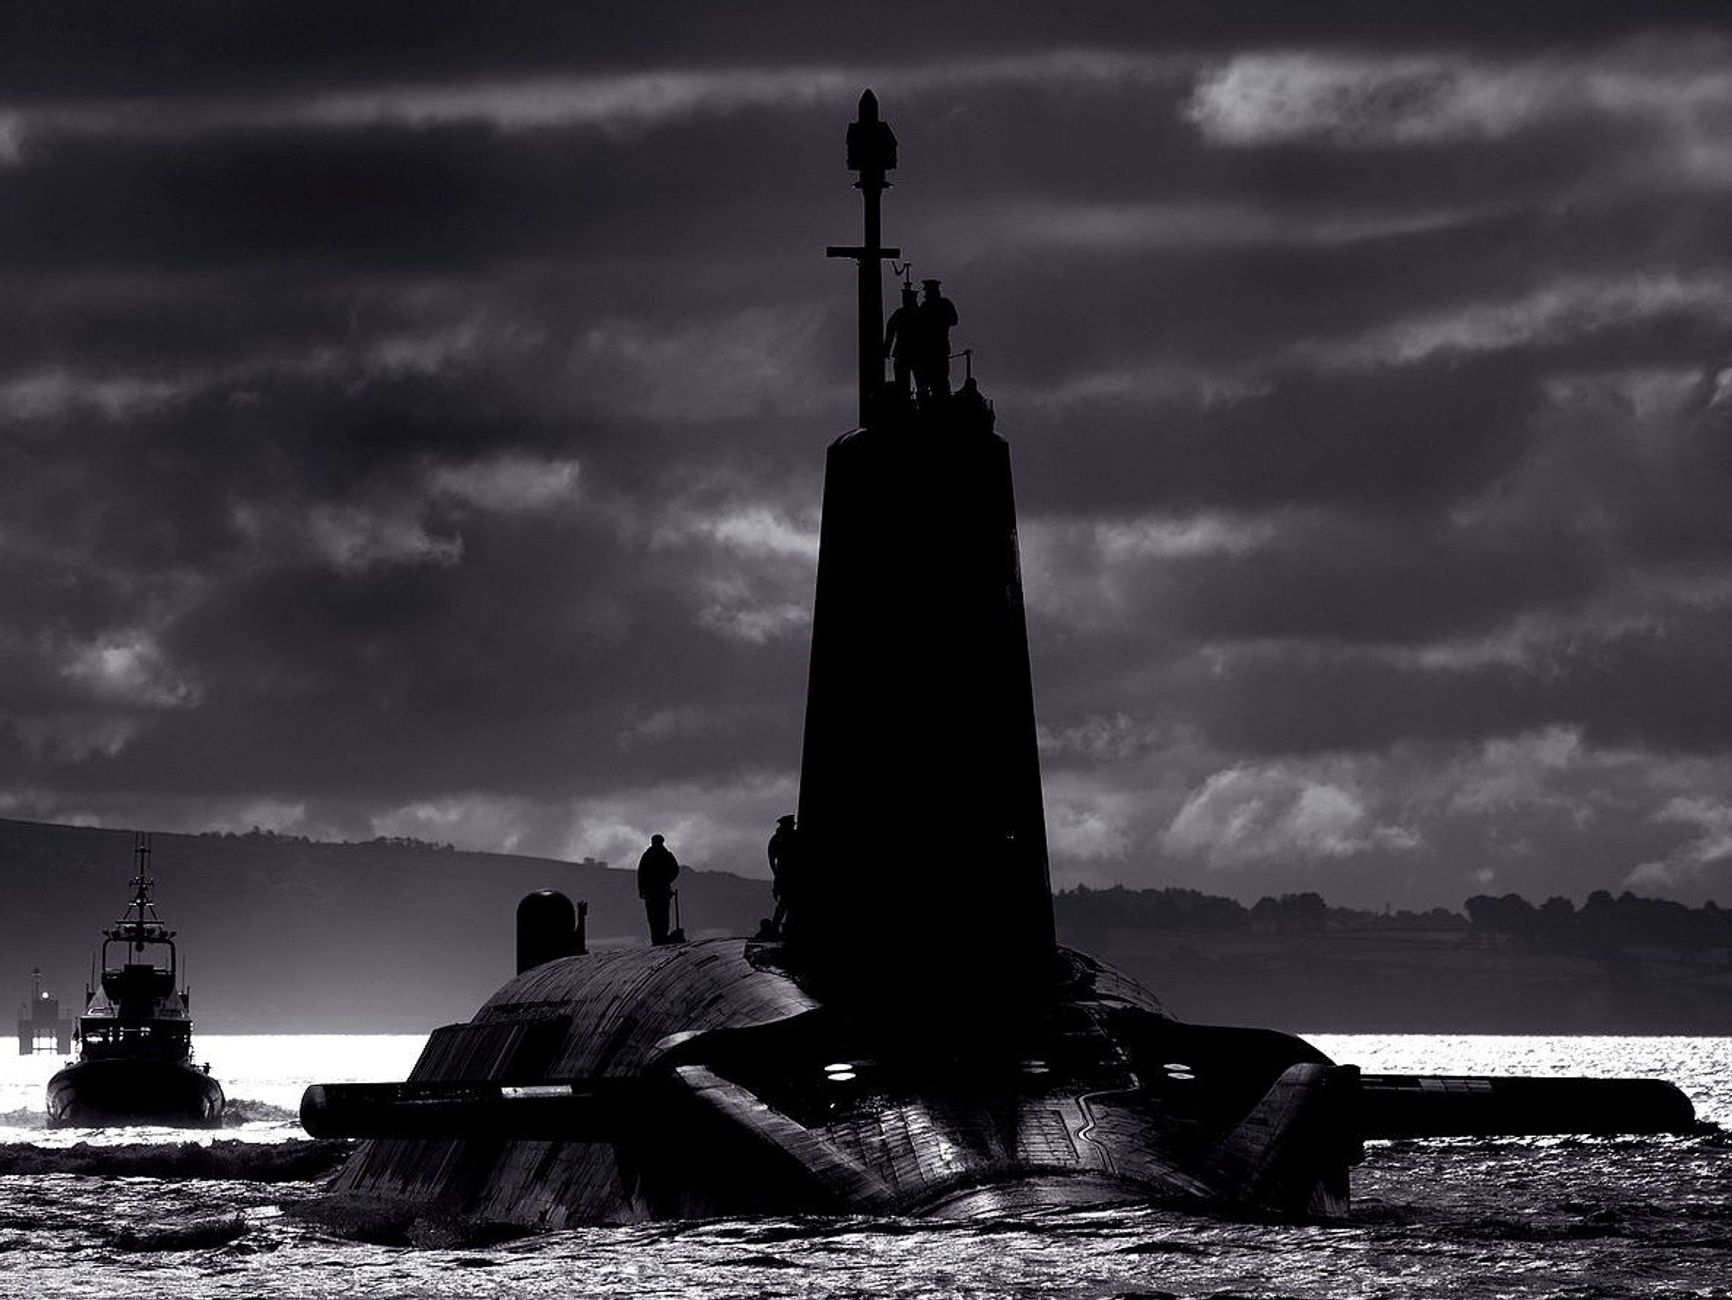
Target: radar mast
(871, 153)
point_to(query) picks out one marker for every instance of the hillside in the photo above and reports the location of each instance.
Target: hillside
(1623, 965)
(282, 935)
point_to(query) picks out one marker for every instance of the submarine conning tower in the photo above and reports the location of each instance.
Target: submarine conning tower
(923, 840)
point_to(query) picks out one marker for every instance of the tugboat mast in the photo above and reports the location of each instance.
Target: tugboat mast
(871, 153)
(139, 924)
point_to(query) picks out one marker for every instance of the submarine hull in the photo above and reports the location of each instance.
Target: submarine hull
(735, 1092)
(106, 1093)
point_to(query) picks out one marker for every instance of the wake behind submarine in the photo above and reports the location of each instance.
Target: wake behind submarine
(914, 1042)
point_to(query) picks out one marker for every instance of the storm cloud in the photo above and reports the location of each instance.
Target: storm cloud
(412, 422)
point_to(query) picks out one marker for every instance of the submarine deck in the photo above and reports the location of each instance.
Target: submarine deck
(740, 1092)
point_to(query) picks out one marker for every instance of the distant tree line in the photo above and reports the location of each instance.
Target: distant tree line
(1187, 911)
(1601, 923)
(258, 835)
(1190, 911)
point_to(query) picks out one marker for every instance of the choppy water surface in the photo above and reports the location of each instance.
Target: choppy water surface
(137, 1213)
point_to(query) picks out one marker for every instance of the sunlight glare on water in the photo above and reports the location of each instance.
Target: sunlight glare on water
(1582, 1219)
(1702, 1067)
(263, 1076)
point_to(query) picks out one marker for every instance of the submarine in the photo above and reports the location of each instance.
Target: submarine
(913, 1041)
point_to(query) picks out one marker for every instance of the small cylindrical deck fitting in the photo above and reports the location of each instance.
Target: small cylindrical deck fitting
(547, 928)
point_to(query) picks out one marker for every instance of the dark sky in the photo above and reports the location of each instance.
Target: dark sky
(412, 421)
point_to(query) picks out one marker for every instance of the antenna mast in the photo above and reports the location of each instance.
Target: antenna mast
(871, 153)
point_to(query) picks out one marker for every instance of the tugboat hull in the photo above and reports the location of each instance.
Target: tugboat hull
(93, 1094)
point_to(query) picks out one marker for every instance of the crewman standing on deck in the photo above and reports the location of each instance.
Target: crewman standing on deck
(656, 870)
(784, 852)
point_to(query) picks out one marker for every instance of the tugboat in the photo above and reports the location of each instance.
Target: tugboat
(135, 1061)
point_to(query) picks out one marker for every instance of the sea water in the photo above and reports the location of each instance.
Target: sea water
(157, 1212)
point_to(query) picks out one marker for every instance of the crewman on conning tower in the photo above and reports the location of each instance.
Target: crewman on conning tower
(902, 341)
(932, 362)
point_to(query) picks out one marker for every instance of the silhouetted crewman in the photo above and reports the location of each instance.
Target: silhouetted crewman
(656, 870)
(784, 851)
(902, 340)
(932, 366)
